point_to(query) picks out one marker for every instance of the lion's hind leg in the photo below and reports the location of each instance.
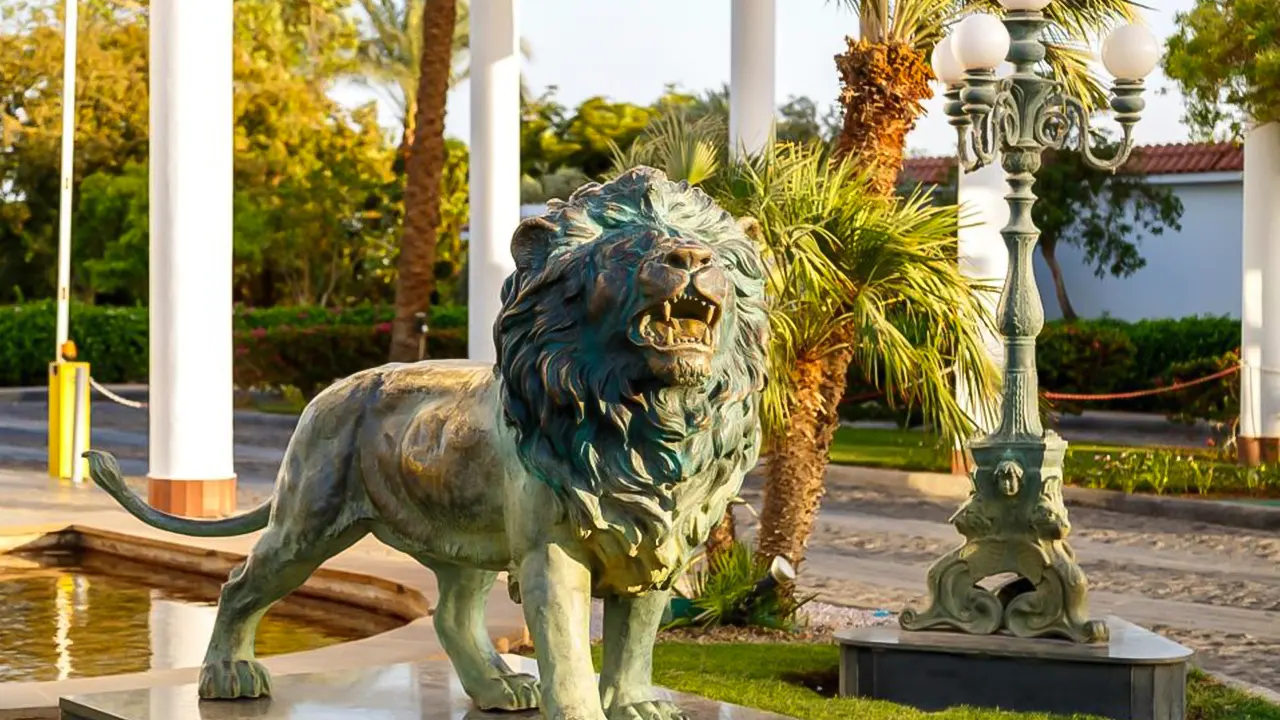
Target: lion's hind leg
(460, 625)
(279, 563)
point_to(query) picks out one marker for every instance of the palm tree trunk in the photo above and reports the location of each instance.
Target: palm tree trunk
(798, 462)
(882, 88)
(1050, 252)
(424, 170)
(722, 536)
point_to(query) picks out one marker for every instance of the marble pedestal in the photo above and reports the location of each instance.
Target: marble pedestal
(406, 691)
(1137, 675)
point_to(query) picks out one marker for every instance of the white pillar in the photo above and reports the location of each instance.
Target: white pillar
(984, 257)
(751, 75)
(495, 166)
(1261, 309)
(191, 205)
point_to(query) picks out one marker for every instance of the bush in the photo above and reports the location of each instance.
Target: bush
(115, 339)
(1084, 359)
(311, 358)
(442, 317)
(724, 594)
(1217, 400)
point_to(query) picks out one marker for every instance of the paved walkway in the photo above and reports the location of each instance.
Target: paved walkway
(1212, 588)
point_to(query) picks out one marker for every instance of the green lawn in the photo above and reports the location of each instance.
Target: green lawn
(799, 680)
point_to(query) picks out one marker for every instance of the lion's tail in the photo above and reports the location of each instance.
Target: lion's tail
(105, 471)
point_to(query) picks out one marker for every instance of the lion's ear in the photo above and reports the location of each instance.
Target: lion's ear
(531, 242)
(751, 228)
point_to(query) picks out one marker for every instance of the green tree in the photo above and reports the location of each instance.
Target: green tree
(1098, 212)
(842, 257)
(310, 175)
(1225, 57)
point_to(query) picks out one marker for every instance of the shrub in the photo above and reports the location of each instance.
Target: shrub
(311, 358)
(115, 339)
(442, 317)
(1083, 359)
(1217, 400)
(722, 594)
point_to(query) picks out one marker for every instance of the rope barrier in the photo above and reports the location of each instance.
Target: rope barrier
(116, 398)
(1079, 397)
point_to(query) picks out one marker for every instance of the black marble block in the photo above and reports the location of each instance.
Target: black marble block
(1137, 675)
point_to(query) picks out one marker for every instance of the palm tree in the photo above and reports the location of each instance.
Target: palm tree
(885, 72)
(424, 169)
(414, 52)
(845, 262)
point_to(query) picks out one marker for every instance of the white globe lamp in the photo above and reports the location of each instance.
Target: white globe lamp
(1130, 52)
(980, 42)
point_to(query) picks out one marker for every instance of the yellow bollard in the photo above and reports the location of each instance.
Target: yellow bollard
(63, 420)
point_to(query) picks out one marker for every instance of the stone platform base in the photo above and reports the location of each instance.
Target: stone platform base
(391, 692)
(1138, 675)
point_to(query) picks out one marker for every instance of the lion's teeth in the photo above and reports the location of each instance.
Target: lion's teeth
(671, 335)
(706, 336)
(710, 311)
(666, 310)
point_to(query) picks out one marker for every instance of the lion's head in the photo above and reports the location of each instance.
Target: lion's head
(632, 345)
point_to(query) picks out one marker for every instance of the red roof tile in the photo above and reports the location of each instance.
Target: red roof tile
(1175, 158)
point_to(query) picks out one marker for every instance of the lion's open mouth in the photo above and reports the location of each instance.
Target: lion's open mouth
(683, 321)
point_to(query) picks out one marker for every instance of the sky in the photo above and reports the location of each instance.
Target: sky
(629, 50)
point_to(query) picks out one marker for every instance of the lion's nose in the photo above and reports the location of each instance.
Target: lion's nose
(689, 257)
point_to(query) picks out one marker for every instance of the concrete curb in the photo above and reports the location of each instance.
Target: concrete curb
(940, 486)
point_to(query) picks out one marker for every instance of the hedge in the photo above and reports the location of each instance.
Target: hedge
(311, 358)
(316, 345)
(115, 340)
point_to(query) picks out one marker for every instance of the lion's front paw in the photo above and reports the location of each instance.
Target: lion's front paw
(234, 679)
(509, 692)
(647, 710)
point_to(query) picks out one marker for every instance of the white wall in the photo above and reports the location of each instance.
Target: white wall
(1192, 272)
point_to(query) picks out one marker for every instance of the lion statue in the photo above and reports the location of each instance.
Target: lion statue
(589, 461)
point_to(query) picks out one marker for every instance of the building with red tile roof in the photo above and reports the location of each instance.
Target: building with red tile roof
(1167, 159)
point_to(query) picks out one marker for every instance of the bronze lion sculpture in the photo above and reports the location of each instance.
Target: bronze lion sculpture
(590, 460)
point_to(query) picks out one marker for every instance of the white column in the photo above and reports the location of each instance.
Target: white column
(983, 256)
(751, 75)
(1261, 309)
(191, 187)
(495, 166)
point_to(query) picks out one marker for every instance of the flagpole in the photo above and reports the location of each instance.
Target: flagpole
(68, 169)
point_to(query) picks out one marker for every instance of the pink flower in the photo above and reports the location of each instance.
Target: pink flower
(258, 332)
(383, 327)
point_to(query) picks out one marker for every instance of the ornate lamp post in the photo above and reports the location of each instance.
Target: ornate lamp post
(1014, 520)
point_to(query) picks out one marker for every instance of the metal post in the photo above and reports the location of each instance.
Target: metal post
(1015, 520)
(79, 441)
(68, 171)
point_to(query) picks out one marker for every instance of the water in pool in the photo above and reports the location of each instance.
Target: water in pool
(85, 615)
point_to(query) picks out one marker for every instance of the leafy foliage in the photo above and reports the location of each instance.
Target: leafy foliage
(312, 178)
(1099, 212)
(723, 593)
(1225, 57)
(115, 339)
(1084, 359)
(312, 358)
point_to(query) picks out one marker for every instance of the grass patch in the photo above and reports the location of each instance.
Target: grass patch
(799, 680)
(1158, 470)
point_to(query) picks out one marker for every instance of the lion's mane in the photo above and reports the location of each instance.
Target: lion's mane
(633, 464)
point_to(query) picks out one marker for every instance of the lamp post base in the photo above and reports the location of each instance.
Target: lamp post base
(1136, 675)
(1013, 522)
